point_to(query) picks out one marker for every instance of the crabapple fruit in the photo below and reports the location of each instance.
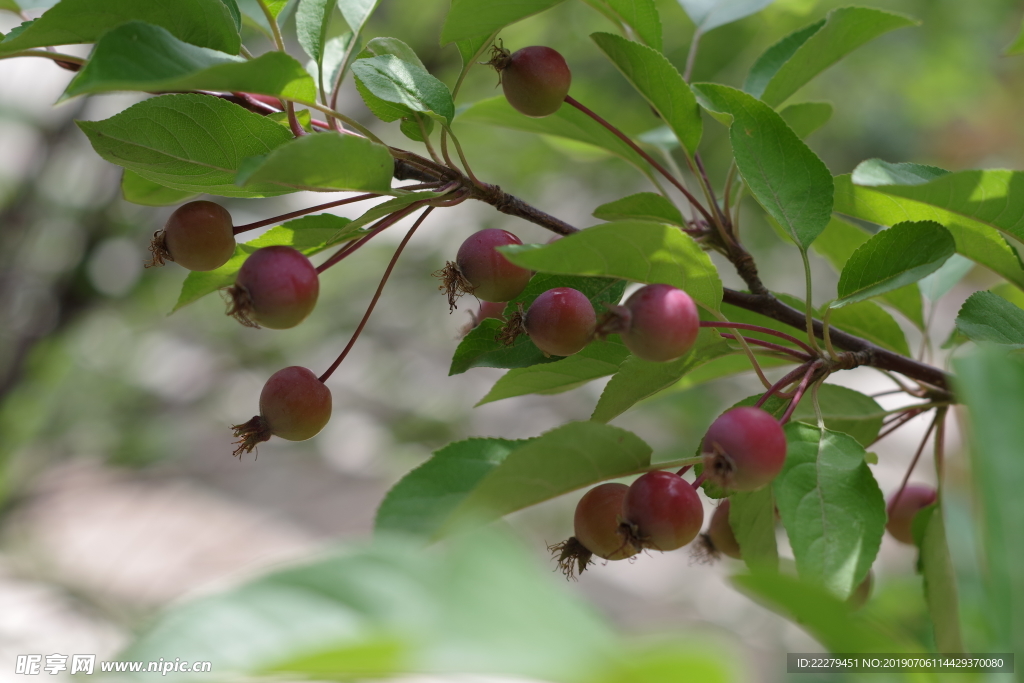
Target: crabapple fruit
(719, 538)
(662, 511)
(276, 287)
(902, 508)
(294, 405)
(535, 79)
(597, 521)
(560, 321)
(744, 449)
(663, 323)
(491, 276)
(197, 236)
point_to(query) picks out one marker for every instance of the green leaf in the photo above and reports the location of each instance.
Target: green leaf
(826, 618)
(837, 244)
(309, 234)
(356, 12)
(478, 349)
(634, 250)
(972, 205)
(312, 18)
(868, 320)
(408, 85)
(831, 507)
(790, 64)
(599, 359)
(138, 190)
(991, 382)
(391, 46)
(645, 206)
(236, 14)
(938, 284)
(783, 174)
(10, 6)
(875, 172)
(640, 15)
(335, 52)
(275, 6)
(752, 518)
(423, 500)
(382, 109)
(806, 117)
(940, 591)
(417, 127)
(567, 458)
(139, 56)
(473, 18)
(324, 162)
(1017, 46)
(194, 143)
(659, 82)
(844, 410)
(567, 122)
(710, 14)
(206, 23)
(901, 255)
(988, 317)
(638, 379)
(470, 49)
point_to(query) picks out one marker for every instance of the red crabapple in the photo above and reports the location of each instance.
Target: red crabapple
(479, 269)
(198, 236)
(901, 511)
(744, 449)
(535, 79)
(662, 511)
(663, 323)
(560, 321)
(294, 405)
(597, 521)
(276, 287)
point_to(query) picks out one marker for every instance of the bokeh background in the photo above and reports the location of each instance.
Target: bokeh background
(118, 492)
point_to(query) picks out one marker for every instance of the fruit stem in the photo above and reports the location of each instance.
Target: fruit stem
(758, 328)
(893, 425)
(769, 345)
(293, 121)
(647, 157)
(699, 480)
(913, 463)
(301, 212)
(380, 288)
(786, 380)
(800, 391)
(379, 226)
(684, 469)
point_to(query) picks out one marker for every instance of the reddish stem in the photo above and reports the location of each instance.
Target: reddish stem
(301, 212)
(782, 383)
(913, 463)
(684, 469)
(293, 121)
(379, 226)
(897, 423)
(769, 345)
(800, 391)
(699, 480)
(763, 330)
(647, 157)
(373, 302)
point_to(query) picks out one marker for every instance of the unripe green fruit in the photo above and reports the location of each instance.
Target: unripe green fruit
(536, 80)
(197, 236)
(597, 521)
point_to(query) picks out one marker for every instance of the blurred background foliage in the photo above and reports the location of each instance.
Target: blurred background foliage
(101, 391)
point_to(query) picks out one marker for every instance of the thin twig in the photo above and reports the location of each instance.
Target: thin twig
(769, 345)
(783, 382)
(800, 391)
(301, 212)
(913, 463)
(763, 330)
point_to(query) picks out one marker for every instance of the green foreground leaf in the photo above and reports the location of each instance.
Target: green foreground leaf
(988, 317)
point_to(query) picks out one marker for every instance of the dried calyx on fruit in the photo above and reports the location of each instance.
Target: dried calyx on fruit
(479, 269)
(276, 287)
(744, 449)
(198, 236)
(661, 511)
(294, 405)
(657, 323)
(535, 79)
